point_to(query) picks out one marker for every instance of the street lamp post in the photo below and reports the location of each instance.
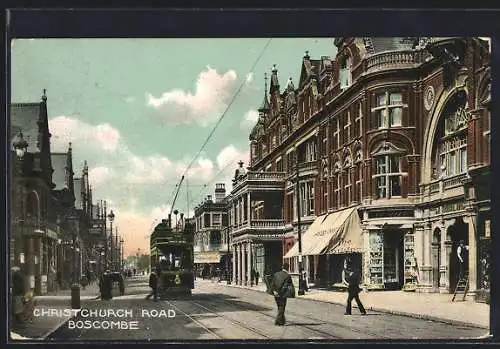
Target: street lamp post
(75, 287)
(117, 251)
(121, 255)
(301, 291)
(111, 217)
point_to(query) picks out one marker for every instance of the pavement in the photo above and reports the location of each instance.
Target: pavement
(56, 301)
(236, 313)
(427, 306)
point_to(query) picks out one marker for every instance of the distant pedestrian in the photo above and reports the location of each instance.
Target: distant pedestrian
(153, 283)
(304, 281)
(281, 286)
(257, 275)
(351, 279)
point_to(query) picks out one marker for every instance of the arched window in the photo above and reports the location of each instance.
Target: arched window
(358, 160)
(33, 206)
(345, 75)
(451, 157)
(337, 184)
(388, 171)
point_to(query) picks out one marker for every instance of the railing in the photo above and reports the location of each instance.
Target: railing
(454, 181)
(267, 223)
(395, 60)
(253, 175)
(447, 183)
(434, 187)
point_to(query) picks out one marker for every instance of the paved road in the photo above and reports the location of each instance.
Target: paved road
(221, 312)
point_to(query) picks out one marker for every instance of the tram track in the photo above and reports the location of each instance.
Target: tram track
(329, 335)
(177, 309)
(211, 310)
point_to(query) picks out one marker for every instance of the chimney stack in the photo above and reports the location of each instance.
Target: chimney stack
(220, 192)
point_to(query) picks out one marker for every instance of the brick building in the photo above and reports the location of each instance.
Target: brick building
(49, 232)
(389, 141)
(211, 238)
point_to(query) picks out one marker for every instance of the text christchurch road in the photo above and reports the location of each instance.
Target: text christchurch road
(216, 311)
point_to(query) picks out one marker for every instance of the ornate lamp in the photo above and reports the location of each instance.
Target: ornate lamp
(20, 145)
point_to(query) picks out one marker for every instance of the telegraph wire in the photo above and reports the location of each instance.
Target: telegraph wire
(215, 178)
(227, 108)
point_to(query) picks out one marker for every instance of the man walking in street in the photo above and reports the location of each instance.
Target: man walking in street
(282, 288)
(351, 279)
(153, 283)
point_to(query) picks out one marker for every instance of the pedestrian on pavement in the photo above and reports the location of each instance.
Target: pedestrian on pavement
(257, 275)
(153, 283)
(304, 280)
(18, 291)
(105, 286)
(282, 288)
(351, 279)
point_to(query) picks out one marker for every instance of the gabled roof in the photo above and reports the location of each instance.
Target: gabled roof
(25, 118)
(59, 167)
(309, 67)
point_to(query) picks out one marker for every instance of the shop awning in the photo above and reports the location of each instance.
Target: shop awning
(328, 232)
(307, 238)
(206, 257)
(348, 238)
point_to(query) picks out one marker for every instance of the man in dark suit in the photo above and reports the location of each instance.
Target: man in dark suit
(351, 278)
(153, 283)
(282, 288)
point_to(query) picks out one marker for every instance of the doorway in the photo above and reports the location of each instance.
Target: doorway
(393, 259)
(436, 258)
(458, 231)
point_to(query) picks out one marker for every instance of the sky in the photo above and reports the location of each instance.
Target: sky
(139, 111)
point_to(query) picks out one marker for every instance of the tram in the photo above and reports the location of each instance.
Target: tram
(172, 256)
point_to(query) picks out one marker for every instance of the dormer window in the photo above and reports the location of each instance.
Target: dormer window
(345, 75)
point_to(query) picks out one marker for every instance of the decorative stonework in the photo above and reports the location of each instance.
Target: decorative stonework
(429, 97)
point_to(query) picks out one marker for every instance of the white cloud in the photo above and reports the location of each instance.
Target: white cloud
(152, 169)
(66, 129)
(250, 119)
(99, 175)
(231, 155)
(249, 78)
(202, 169)
(212, 94)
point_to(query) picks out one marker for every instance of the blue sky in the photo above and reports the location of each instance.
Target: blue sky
(138, 110)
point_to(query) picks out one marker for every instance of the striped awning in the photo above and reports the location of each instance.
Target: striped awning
(336, 233)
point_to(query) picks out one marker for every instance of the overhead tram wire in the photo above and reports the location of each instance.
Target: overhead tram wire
(151, 228)
(206, 186)
(227, 108)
